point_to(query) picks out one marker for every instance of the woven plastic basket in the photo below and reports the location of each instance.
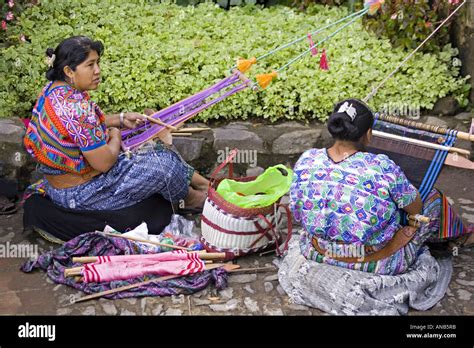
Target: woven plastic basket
(239, 231)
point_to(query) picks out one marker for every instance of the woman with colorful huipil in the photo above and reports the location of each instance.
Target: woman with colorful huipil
(349, 202)
(78, 147)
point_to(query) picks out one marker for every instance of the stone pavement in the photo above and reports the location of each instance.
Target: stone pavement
(247, 294)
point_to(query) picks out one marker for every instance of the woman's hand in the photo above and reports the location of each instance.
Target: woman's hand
(131, 120)
(112, 133)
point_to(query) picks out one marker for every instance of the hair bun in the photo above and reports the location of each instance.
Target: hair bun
(337, 125)
(50, 52)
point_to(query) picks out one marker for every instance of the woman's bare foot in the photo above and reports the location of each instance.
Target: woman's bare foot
(469, 242)
(200, 183)
(195, 199)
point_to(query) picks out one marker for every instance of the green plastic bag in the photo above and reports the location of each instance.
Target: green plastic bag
(265, 190)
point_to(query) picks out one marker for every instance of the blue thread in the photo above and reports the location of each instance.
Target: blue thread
(436, 166)
(377, 114)
(444, 153)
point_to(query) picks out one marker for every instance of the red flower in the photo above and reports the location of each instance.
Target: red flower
(4, 25)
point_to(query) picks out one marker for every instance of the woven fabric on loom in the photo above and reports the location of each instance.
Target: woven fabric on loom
(96, 244)
(451, 224)
(422, 166)
(128, 267)
(414, 160)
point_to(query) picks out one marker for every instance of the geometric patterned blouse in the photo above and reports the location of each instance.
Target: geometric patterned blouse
(65, 122)
(354, 201)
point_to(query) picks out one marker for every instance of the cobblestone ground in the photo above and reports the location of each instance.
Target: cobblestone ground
(247, 294)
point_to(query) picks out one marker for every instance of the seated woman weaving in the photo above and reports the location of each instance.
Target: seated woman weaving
(78, 147)
(350, 201)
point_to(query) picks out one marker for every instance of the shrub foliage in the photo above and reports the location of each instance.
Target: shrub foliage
(157, 54)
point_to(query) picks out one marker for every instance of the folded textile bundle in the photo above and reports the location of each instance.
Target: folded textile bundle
(109, 268)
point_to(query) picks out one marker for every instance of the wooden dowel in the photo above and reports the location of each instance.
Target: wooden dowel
(72, 272)
(419, 218)
(420, 143)
(212, 256)
(143, 241)
(182, 134)
(203, 255)
(257, 269)
(127, 287)
(227, 267)
(84, 259)
(423, 126)
(192, 130)
(160, 122)
(73, 269)
(245, 79)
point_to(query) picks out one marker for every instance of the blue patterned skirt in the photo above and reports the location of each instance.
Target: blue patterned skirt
(152, 169)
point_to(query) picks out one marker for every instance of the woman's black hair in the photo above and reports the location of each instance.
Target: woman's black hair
(343, 127)
(71, 52)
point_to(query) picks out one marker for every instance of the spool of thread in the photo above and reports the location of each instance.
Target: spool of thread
(168, 241)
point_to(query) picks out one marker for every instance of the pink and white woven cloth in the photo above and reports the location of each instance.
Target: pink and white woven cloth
(122, 267)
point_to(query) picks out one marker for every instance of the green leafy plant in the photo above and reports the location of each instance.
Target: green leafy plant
(157, 54)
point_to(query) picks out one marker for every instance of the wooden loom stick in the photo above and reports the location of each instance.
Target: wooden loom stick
(420, 218)
(160, 122)
(182, 134)
(423, 126)
(144, 241)
(254, 270)
(192, 130)
(227, 267)
(421, 143)
(202, 255)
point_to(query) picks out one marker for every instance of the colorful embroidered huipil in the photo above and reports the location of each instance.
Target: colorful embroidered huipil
(65, 122)
(354, 201)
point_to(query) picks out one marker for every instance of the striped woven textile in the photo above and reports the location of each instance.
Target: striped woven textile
(94, 244)
(166, 256)
(421, 165)
(109, 268)
(451, 225)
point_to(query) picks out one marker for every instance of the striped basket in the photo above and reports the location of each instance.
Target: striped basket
(239, 231)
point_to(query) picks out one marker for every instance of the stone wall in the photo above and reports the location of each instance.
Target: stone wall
(15, 164)
(261, 145)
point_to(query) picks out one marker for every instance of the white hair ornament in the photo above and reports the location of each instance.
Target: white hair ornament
(349, 110)
(50, 60)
